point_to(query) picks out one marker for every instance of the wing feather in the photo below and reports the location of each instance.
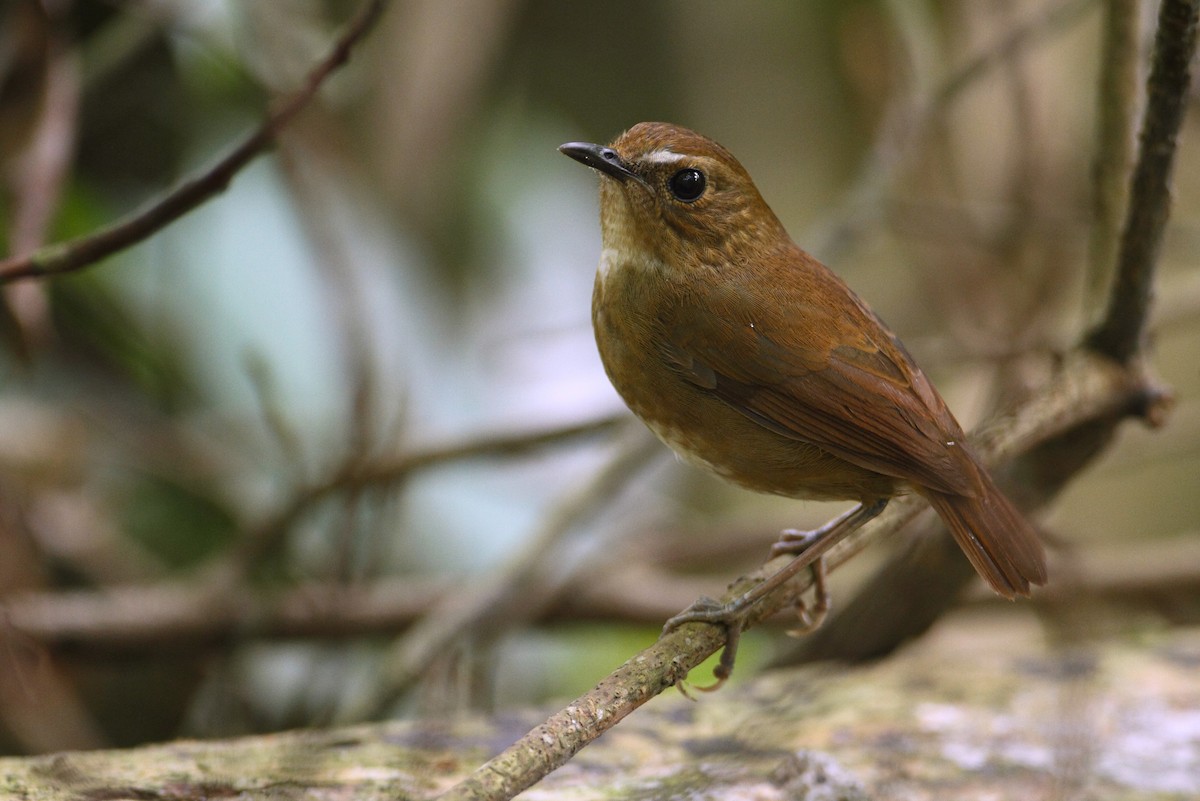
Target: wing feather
(866, 402)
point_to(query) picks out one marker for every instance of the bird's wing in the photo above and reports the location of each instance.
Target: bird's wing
(862, 399)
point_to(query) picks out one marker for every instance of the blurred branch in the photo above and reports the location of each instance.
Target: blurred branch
(443, 57)
(358, 474)
(1120, 334)
(172, 617)
(518, 591)
(39, 177)
(343, 278)
(271, 409)
(1053, 20)
(908, 119)
(40, 707)
(43, 709)
(1115, 111)
(67, 257)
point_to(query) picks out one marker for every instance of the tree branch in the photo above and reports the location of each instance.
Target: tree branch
(359, 474)
(172, 618)
(516, 592)
(1121, 333)
(67, 257)
(908, 119)
(1115, 115)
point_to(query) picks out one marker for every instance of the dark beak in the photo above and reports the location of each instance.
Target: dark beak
(601, 158)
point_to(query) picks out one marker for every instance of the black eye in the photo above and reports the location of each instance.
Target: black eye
(687, 184)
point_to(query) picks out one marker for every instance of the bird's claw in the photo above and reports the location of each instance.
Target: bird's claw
(703, 610)
(731, 616)
(793, 542)
(811, 617)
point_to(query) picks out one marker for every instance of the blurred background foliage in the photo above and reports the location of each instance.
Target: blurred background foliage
(411, 269)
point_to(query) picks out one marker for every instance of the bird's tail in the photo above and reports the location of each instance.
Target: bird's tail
(999, 541)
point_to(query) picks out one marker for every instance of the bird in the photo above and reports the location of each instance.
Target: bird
(751, 359)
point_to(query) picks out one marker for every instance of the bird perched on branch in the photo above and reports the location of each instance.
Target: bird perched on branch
(751, 359)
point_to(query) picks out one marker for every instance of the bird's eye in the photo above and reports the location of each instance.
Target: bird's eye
(687, 184)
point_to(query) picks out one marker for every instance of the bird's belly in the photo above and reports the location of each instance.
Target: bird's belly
(722, 441)
(711, 434)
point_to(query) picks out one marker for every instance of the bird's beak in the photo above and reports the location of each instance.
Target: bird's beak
(601, 158)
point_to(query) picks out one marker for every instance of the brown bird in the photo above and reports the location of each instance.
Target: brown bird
(749, 358)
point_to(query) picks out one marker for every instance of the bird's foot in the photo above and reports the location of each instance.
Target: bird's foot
(732, 616)
(793, 542)
(808, 549)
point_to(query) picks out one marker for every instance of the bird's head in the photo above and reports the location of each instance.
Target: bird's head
(670, 194)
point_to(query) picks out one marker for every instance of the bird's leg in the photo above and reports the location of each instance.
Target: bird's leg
(812, 617)
(809, 547)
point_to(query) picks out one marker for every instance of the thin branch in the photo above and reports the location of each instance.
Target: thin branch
(357, 475)
(67, 257)
(271, 410)
(40, 177)
(908, 119)
(171, 615)
(344, 287)
(1087, 389)
(519, 591)
(1115, 115)
(1120, 335)
(173, 618)
(1055, 19)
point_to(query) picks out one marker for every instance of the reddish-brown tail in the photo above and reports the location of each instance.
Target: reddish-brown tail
(998, 540)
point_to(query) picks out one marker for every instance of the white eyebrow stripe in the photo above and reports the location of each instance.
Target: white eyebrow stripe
(663, 157)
